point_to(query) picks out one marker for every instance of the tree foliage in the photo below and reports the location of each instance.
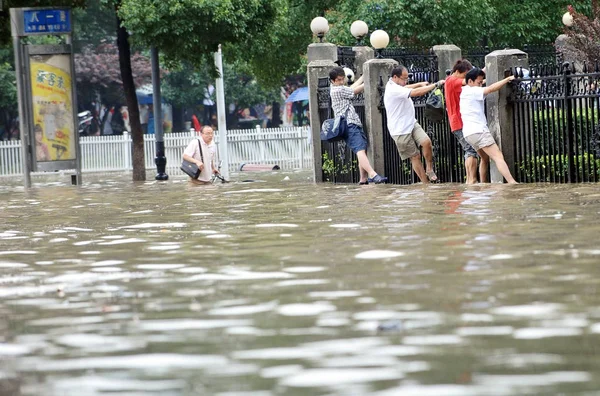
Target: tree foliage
(191, 30)
(584, 36)
(186, 86)
(98, 72)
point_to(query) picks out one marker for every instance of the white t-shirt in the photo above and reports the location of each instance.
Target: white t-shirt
(400, 109)
(472, 110)
(209, 151)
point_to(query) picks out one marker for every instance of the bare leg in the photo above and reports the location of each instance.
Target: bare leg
(363, 174)
(484, 166)
(496, 155)
(418, 168)
(471, 168)
(428, 154)
(364, 164)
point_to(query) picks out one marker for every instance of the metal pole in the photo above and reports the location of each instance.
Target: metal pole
(160, 160)
(23, 125)
(224, 154)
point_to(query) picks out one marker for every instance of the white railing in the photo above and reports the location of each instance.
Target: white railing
(290, 148)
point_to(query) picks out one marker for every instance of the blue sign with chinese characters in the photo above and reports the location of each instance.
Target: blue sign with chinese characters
(51, 21)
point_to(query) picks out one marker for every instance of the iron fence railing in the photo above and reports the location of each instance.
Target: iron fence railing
(538, 54)
(346, 57)
(557, 125)
(421, 63)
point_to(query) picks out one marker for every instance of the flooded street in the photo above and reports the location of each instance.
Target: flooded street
(277, 287)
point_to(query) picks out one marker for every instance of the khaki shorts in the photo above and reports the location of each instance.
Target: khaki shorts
(480, 140)
(408, 145)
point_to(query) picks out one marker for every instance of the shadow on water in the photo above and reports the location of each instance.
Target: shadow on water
(285, 287)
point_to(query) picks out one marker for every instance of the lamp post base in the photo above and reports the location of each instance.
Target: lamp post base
(161, 162)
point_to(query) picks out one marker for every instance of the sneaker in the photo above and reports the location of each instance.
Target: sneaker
(363, 183)
(378, 179)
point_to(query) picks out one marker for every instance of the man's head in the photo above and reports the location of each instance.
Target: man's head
(337, 76)
(400, 75)
(475, 77)
(207, 133)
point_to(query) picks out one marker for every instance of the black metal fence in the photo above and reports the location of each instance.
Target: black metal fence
(339, 163)
(346, 57)
(421, 63)
(542, 54)
(557, 127)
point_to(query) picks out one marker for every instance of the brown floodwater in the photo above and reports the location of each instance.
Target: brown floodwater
(282, 287)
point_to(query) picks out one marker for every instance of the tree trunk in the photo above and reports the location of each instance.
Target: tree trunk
(137, 134)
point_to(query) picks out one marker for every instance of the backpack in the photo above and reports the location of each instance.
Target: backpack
(434, 106)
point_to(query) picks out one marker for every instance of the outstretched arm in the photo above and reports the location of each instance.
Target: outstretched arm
(497, 85)
(427, 88)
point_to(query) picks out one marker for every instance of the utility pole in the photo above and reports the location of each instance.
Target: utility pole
(222, 123)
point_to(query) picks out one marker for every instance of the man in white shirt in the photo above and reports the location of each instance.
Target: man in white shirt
(206, 160)
(402, 124)
(475, 128)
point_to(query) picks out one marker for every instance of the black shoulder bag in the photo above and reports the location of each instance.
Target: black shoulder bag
(190, 168)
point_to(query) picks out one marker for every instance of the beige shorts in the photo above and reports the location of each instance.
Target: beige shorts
(480, 140)
(408, 145)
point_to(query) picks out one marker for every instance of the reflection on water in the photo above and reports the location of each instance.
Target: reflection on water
(282, 287)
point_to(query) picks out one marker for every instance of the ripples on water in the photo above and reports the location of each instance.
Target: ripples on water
(283, 287)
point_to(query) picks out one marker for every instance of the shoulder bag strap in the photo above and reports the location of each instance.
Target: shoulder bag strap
(200, 148)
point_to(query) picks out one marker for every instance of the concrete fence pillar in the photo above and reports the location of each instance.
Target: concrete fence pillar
(322, 51)
(499, 111)
(321, 58)
(362, 54)
(447, 56)
(375, 69)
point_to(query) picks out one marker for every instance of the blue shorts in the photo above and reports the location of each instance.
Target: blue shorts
(467, 148)
(356, 138)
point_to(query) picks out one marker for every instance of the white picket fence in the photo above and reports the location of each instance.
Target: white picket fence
(290, 148)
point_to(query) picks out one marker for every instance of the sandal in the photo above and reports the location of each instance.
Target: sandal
(363, 183)
(431, 176)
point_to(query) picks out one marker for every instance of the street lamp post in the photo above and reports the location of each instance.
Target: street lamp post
(379, 40)
(319, 27)
(359, 30)
(160, 160)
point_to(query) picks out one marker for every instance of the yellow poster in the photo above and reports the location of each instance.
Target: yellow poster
(52, 107)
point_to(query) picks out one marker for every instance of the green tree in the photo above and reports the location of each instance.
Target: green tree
(185, 87)
(584, 36)
(8, 93)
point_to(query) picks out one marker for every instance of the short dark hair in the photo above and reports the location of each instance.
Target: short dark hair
(473, 74)
(336, 72)
(461, 66)
(398, 70)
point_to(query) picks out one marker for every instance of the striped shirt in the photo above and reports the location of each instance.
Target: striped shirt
(341, 101)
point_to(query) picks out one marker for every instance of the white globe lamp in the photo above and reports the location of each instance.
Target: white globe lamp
(359, 30)
(319, 27)
(379, 40)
